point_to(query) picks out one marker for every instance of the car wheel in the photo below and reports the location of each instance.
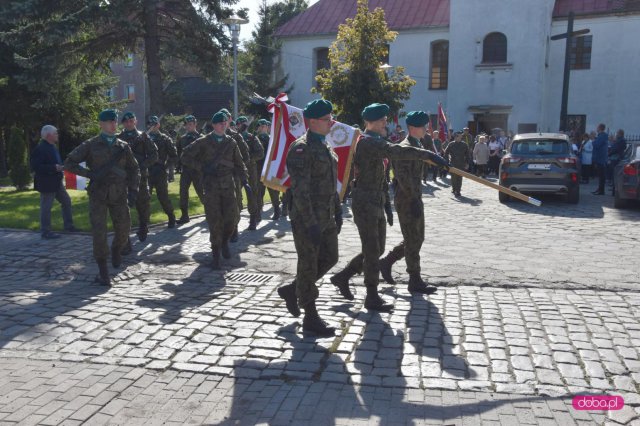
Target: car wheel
(619, 203)
(504, 198)
(574, 195)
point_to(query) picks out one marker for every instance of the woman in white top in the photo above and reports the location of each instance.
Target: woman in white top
(586, 156)
(494, 155)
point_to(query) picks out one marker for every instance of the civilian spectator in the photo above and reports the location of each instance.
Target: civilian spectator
(600, 145)
(47, 165)
(586, 154)
(494, 155)
(481, 156)
(616, 153)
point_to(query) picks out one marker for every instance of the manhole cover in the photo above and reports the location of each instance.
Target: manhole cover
(248, 278)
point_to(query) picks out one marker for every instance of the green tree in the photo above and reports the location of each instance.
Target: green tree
(99, 31)
(17, 156)
(355, 78)
(257, 64)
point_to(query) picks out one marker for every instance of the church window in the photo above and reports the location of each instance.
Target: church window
(580, 53)
(439, 73)
(494, 49)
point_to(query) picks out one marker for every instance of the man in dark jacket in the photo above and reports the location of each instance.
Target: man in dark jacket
(616, 153)
(600, 146)
(47, 165)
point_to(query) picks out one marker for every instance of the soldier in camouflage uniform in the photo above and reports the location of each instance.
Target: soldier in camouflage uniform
(188, 176)
(274, 194)
(316, 215)
(114, 180)
(370, 200)
(158, 172)
(256, 153)
(146, 154)
(244, 151)
(217, 159)
(458, 154)
(408, 202)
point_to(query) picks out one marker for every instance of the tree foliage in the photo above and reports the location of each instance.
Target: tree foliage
(257, 64)
(17, 156)
(355, 79)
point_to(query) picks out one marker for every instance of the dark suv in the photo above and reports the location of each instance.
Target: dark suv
(626, 176)
(541, 163)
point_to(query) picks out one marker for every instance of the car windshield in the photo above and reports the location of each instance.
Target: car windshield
(540, 147)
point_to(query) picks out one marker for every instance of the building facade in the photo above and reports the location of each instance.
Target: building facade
(132, 86)
(492, 63)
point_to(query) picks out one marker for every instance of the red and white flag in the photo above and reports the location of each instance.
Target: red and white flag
(73, 181)
(288, 125)
(442, 124)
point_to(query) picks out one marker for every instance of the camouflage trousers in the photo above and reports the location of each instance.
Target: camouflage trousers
(143, 202)
(110, 200)
(412, 228)
(313, 260)
(161, 185)
(221, 211)
(188, 177)
(368, 215)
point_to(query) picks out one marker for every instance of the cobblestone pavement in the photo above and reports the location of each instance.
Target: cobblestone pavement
(535, 305)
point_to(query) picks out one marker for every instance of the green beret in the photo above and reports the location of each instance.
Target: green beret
(189, 119)
(317, 108)
(241, 119)
(128, 116)
(375, 112)
(417, 119)
(108, 115)
(153, 120)
(232, 123)
(263, 122)
(219, 117)
(226, 111)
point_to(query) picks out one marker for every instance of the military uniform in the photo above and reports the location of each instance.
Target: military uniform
(218, 160)
(256, 153)
(274, 194)
(109, 191)
(146, 155)
(458, 152)
(246, 158)
(188, 175)
(158, 172)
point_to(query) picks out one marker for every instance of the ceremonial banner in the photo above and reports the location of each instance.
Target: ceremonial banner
(288, 125)
(442, 124)
(73, 181)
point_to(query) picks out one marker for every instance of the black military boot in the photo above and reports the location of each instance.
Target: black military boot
(385, 263)
(341, 280)
(127, 249)
(184, 217)
(417, 285)
(312, 323)
(116, 258)
(103, 275)
(225, 250)
(276, 212)
(374, 302)
(143, 231)
(234, 236)
(172, 221)
(215, 264)
(288, 294)
(252, 223)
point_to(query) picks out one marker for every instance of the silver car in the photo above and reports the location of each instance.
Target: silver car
(626, 176)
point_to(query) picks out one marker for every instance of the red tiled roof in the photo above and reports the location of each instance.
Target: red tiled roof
(325, 16)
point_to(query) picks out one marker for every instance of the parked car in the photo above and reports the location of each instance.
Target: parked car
(541, 163)
(626, 176)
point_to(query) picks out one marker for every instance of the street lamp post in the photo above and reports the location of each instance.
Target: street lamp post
(234, 23)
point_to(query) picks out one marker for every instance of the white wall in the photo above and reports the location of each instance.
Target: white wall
(526, 24)
(609, 92)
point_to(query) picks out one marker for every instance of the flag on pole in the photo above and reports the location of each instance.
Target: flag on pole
(73, 181)
(442, 124)
(287, 125)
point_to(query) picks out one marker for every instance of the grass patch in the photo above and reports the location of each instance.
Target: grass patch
(21, 209)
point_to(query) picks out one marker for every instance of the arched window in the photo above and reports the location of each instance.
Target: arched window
(439, 72)
(494, 49)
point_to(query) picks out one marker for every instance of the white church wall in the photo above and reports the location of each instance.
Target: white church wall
(608, 92)
(526, 25)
